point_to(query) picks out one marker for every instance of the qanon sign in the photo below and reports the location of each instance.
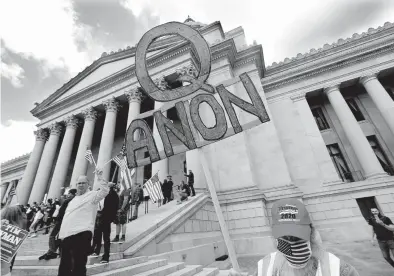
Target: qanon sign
(187, 101)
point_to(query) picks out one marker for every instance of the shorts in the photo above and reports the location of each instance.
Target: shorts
(121, 218)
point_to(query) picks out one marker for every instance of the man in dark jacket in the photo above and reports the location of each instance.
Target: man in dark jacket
(106, 214)
(383, 228)
(190, 182)
(53, 243)
(137, 196)
(167, 189)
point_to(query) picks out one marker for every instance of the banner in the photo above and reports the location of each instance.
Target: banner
(12, 238)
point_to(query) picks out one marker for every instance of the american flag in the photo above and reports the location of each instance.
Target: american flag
(296, 252)
(125, 173)
(121, 162)
(153, 188)
(12, 191)
(89, 156)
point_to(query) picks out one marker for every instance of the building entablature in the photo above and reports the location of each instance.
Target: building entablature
(163, 63)
(13, 166)
(332, 57)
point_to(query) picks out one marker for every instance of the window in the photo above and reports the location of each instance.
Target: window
(355, 110)
(383, 160)
(320, 118)
(340, 163)
(390, 92)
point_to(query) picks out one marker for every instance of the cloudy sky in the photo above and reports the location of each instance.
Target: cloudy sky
(44, 43)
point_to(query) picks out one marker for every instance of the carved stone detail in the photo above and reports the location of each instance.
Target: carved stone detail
(72, 122)
(56, 129)
(90, 114)
(188, 71)
(112, 105)
(41, 134)
(161, 83)
(298, 97)
(134, 95)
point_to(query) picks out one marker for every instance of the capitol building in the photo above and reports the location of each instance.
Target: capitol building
(330, 140)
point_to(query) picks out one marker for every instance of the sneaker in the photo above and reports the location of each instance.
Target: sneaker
(94, 254)
(33, 235)
(42, 257)
(104, 262)
(116, 239)
(123, 239)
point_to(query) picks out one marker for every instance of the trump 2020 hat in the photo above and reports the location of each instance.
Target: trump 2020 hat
(290, 218)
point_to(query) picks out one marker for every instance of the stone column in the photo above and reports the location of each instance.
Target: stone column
(134, 97)
(24, 188)
(162, 166)
(45, 167)
(315, 139)
(354, 133)
(107, 138)
(81, 164)
(381, 98)
(4, 187)
(63, 161)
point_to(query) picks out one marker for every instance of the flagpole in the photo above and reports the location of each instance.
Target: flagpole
(113, 176)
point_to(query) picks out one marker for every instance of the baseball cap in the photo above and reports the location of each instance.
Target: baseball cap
(290, 218)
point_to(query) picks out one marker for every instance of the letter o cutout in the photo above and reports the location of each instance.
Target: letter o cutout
(200, 45)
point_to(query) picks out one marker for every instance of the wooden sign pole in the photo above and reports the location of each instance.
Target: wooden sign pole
(218, 210)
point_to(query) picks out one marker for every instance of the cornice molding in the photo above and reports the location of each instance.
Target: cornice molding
(313, 52)
(20, 159)
(308, 72)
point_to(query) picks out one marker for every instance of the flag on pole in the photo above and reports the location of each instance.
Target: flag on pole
(125, 173)
(12, 191)
(121, 162)
(89, 156)
(153, 188)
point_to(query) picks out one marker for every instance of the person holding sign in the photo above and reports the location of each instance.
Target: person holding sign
(77, 226)
(11, 216)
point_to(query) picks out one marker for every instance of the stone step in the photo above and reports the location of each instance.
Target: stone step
(208, 272)
(91, 269)
(134, 270)
(33, 260)
(163, 270)
(189, 270)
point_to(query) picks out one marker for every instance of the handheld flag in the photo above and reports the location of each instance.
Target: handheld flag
(153, 188)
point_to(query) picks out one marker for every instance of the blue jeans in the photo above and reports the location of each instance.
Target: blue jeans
(386, 247)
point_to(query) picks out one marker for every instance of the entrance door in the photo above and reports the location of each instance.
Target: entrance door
(365, 204)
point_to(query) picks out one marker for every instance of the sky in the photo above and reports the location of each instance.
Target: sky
(44, 43)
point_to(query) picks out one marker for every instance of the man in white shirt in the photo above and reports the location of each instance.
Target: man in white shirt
(78, 225)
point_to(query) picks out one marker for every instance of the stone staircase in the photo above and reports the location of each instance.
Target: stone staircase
(139, 266)
(126, 258)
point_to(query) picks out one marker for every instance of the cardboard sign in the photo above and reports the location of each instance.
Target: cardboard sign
(12, 238)
(189, 98)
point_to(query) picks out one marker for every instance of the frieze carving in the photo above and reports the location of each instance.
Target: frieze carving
(90, 114)
(134, 95)
(161, 83)
(56, 129)
(298, 97)
(188, 71)
(41, 134)
(111, 105)
(326, 46)
(72, 122)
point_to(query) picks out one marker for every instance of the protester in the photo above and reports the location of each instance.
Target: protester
(105, 216)
(56, 212)
(53, 242)
(190, 182)
(121, 216)
(146, 197)
(181, 192)
(12, 215)
(185, 188)
(137, 196)
(383, 228)
(300, 251)
(167, 189)
(36, 222)
(77, 227)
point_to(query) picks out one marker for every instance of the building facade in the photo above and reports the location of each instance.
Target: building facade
(329, 142)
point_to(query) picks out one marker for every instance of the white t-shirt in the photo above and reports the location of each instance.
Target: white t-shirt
(81, 212)
(56, 213)
(39, 215)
